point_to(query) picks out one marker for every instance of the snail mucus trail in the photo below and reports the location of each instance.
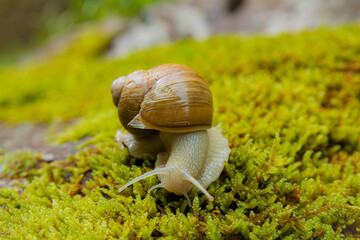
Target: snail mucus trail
(168, 113)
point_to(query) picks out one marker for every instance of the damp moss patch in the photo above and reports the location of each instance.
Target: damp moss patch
(289, 105)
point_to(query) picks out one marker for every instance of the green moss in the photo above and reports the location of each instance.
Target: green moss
(17, 164)
(289, 105)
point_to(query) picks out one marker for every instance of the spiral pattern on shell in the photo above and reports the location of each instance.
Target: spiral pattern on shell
(168, 97)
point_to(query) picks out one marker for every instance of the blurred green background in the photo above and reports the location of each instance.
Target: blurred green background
(288, 104)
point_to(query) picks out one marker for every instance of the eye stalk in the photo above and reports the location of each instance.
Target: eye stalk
(168, 111)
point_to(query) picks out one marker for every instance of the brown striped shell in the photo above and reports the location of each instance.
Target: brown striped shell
(168, 97)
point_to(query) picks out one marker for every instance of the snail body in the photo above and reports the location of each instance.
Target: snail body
(168, 113)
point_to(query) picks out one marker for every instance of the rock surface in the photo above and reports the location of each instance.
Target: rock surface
(202, 18)
(31, 136)
(275, 16)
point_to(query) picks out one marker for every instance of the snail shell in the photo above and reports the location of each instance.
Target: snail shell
(167, 98)
(168, 111)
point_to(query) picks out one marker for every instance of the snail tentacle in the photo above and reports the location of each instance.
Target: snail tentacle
(163, 171)
(168, 112)
(188, 199)
(160, 185)
(197, 184)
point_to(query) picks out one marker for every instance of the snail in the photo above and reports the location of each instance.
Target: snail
(168, 113)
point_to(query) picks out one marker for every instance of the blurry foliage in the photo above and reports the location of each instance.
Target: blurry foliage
(85, 10)
(29, 22)
(79, 11)
(18, 21)
(289, 105)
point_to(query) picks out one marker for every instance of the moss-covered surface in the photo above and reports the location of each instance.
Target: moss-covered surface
(289, 105)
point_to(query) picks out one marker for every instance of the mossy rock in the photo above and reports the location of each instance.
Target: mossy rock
(289, 106)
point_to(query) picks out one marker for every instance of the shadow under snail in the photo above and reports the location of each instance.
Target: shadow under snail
(168, 113)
